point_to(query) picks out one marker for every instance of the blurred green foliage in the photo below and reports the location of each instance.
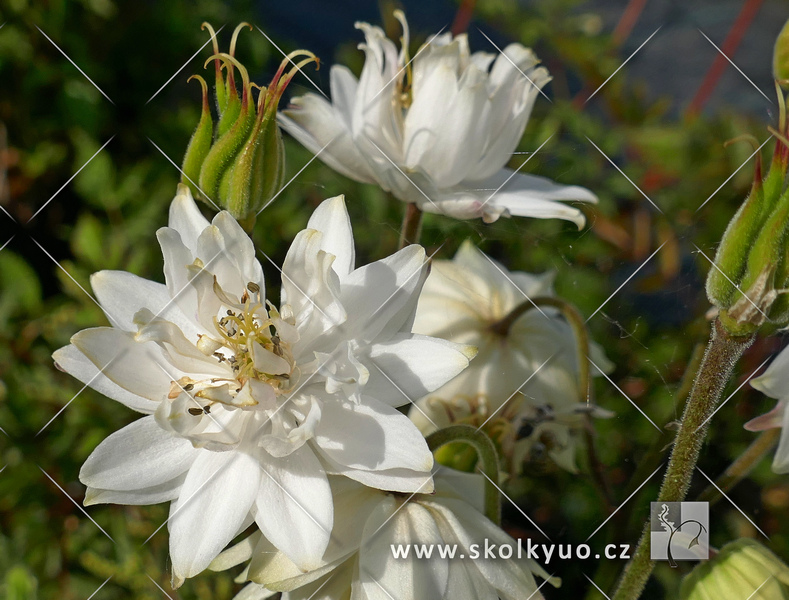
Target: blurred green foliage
(106, 218)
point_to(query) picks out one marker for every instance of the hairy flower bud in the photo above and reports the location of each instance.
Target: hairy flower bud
(750, 276)
(239, 163)
(742, 569)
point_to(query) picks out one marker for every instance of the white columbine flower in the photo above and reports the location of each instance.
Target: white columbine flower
(436, 132)
(370, 525)
(775, 384)
(525, 373)
(248, 405)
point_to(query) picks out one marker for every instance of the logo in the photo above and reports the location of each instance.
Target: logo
(679, 531)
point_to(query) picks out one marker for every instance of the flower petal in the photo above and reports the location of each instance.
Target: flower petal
(141, 455)
(123, 361)
(774, 382)
(294, 506)
(186, 218)
(386, 451)
(383, 577)
(207, 515)
(164, 492)
(382, 296)
(332, 220)
(410, 366)
(76, 364)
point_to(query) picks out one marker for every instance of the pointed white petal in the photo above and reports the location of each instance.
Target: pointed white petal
(140, 455)
(774, 382)
(164, 492)
(413, 365)
(294, 506)
(332, 220)
(215, 499)
(186, 218)
(76, 364)
(133, 366)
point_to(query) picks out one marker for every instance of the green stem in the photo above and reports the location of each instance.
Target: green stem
(743, 466)
(488, 458)
(411, 230)
(723, 351)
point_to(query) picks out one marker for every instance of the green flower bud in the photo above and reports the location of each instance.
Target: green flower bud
(742, 569)
(241, 165)
(750, 277)
(781, 57)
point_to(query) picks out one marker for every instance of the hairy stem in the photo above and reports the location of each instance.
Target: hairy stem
(488, 459)
(723, 351)
(743, 466)
(411, 230)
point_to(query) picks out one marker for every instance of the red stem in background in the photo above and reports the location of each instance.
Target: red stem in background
(729, 47)
(628, 20)
(622, 31)
(463, 17)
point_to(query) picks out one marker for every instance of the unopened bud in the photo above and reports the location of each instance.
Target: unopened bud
(742, 569)
(240, 164)
(781, 57)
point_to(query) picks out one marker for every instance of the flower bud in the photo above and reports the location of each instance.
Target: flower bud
(742, 569)
(749, 278)
(239, 164)
(781, 57)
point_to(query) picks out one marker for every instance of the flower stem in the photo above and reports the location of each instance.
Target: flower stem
(488, 458)
(411, 230)
(723, 351)
(743, 466)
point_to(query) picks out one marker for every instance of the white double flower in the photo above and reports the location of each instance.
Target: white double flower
(249, 406)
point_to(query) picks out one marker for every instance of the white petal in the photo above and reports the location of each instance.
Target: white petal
(241, 251)
(235, 555)
(141, 455)
(215, 499)
(322, 129)
(76, 364)
(508, 194)
(164, 492)
(385, 450)
(332, 220)
(410, 366)
(186, 218)
(781, 461)
(294, 506)
(310, 286)
(382, 296)
(122, 294)
(774, 382)
(133, 366)
(383, 577)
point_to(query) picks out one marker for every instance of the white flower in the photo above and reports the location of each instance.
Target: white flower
(465, 300)
(775, 384)
(249, 406)
(440, 137)
(360, 561)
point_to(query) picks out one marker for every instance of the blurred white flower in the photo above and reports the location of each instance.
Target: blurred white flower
(360, 561)
(436, 131)
(775, 384)
(248, 405)
(525, 374)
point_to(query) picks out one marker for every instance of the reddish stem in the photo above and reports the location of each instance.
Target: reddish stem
(729, 47)
(463, 17)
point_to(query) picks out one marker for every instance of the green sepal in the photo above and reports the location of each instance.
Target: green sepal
(199, 145)
(224, 151)
(731, 257)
